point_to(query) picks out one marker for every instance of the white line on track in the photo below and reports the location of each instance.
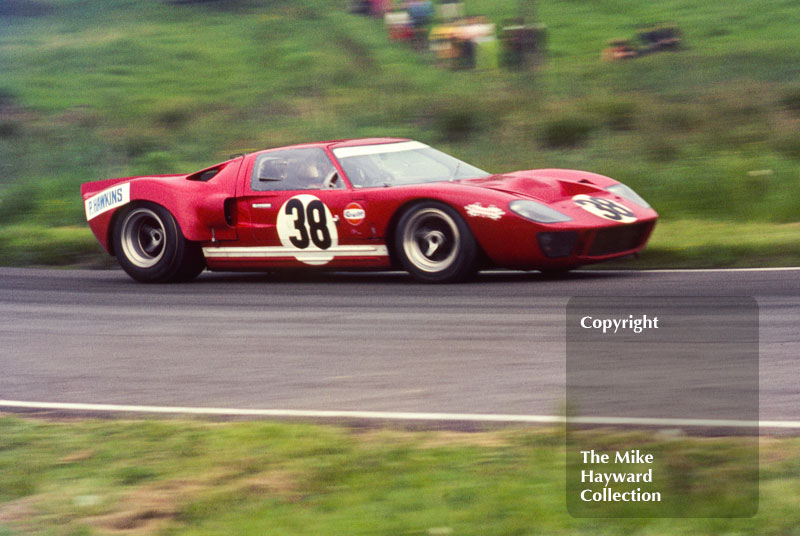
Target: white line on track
(397, 416)
(701, 270)
(653, 270)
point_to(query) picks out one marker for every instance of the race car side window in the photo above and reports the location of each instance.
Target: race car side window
(293, 169)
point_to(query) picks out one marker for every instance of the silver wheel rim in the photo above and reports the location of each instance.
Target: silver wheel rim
(431, 240)
(143, 237)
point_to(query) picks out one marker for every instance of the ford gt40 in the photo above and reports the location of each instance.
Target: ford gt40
(363, 204)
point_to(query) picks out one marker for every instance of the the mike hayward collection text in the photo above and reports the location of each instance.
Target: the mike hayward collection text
(607, 494)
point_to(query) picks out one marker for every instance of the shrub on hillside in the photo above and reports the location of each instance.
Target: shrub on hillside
(457, 123)
(791, 100)
(567, 132)
(9, 129)
(614, 114)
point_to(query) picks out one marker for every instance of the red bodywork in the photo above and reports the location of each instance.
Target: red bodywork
(231, 220)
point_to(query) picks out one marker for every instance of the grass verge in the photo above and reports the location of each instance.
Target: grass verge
(33, 245)
(190, 478)
(708, 244)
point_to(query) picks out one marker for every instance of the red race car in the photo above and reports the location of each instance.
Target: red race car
(363, 204)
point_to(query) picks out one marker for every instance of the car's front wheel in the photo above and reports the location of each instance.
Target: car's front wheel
(150, 247)
(434, 244)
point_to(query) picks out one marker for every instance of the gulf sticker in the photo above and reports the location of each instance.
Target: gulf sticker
(354, 213)
(605, 208)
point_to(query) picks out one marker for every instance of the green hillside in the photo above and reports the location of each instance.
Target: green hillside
(194, 478)
(708, 134)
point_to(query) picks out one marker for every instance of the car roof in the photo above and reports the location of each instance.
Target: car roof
(333, 144)
(365, 141)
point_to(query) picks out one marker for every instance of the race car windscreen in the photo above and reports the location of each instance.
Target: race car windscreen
(408, 162)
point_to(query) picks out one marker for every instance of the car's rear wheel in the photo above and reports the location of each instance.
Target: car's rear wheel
(151, 248)
(434, 244)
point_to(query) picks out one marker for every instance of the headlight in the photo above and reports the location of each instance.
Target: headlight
(627, 193)
(531, 210)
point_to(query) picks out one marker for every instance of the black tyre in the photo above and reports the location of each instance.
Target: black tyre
(193, 263)
(434, 244)
(151, 248)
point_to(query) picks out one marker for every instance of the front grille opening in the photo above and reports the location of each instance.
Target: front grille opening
(560, 244)
(618, 239)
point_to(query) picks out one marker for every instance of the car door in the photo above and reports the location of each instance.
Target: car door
(297, 208)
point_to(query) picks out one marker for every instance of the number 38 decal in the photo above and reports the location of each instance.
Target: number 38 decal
(605, 208)
(306, 225)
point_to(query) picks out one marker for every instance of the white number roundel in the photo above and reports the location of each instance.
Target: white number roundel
(605, 208)
(306, 226)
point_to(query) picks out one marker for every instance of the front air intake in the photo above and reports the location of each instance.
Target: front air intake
(618, 239)
(560, 244)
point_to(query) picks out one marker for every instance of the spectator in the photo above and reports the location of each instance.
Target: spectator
(378, 8)
(359, 7)
(451, 10)
(420, 12)
(399, 25)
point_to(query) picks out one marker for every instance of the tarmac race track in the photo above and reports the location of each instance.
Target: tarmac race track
(355, 342)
